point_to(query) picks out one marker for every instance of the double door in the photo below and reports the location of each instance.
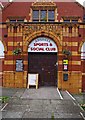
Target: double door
(45, 65)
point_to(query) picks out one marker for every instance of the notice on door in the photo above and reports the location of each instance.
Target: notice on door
(32, 80)
(42, 44)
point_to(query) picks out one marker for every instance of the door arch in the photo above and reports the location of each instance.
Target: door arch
(83, 51)
(1, 50)
(1, 62)
(83, 65)
(42, 59)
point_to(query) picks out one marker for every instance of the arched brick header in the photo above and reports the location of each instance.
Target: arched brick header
(81, 45)
(56, 38)
(4, 44)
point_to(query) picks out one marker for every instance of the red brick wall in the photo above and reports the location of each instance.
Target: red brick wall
(23, 8)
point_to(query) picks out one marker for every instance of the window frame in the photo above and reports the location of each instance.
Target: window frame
(67, 20)
(41, 19)
(35, 19)
(74, 21)
(51, 19)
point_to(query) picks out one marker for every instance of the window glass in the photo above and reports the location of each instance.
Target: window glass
(43, 15)
(35, 15)
(13, 20)
(51, 15)
(67, 21)
(74, 21)
(21, 20)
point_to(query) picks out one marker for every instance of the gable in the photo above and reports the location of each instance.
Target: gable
(23, 9)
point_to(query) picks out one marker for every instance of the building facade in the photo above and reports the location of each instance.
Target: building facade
(44, 38)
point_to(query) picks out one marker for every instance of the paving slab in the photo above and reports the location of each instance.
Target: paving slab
(8, 92)
(65, 95)
(19, 93)
(11, 114)
(35, 115)
(80, 97)
(67, 115)
(42, 93)
(41, 103)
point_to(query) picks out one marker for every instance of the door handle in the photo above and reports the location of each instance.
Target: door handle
(49, 72)
(42, 69)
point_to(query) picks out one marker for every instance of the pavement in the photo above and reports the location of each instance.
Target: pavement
(45, 102)
(80, 98)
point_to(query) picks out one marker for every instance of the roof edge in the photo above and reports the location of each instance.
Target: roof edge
(80, 5)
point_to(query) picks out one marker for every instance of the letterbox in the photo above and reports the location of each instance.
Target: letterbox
(65, 76)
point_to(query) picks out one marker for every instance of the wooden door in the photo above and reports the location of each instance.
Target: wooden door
(45, 65)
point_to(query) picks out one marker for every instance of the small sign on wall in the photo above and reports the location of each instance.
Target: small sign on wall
(65, 62)
(32, 80)
(65, 77)
(19, 65)
(65, 67)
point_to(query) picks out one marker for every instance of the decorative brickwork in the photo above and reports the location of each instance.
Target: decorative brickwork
(67, 36)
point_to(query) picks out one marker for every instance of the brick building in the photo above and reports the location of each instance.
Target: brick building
(45, 38)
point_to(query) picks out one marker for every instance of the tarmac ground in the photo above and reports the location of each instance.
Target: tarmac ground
(45, 102)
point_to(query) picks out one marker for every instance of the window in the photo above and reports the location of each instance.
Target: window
(51, 15)
(74, 21)
(43, 15)
(13, 20)
(21, 20)
(67, 21)
(83, 51)
(35, 15)
(16, 19)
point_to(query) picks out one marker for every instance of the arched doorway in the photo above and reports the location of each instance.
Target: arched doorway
(1, 61)
(42, 59)
(83, 66)
(1, 50)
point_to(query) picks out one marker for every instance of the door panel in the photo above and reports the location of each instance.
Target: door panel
(44, 65)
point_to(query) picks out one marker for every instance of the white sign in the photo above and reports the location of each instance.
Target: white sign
(32, 79)
(19, 65)
(42, 44)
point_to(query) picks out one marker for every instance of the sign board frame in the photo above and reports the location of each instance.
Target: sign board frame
(19, 65)
(65, 76)
(32, 80)
(65, 67)
(65, 62)
(42, 44)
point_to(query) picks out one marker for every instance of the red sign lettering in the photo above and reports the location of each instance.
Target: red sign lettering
(40, 44)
